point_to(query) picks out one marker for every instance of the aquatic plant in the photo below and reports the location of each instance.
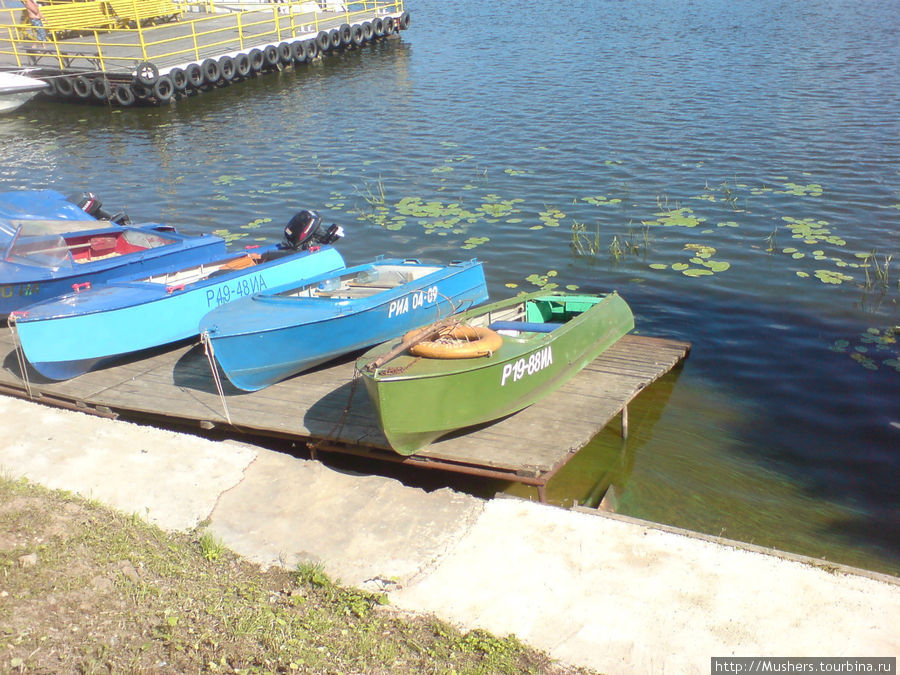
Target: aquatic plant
(472, 242)
(584, 244)
(812, 231)
(771, 240)
(550, 217)
(543, 281)
(680, 217)
(227, 180)
(254, 224)
(229, 236)
(372, 192)
(871, 347)
(879, 277)
(810, 190)
(328, 170)
(700, 264)
(601, 200)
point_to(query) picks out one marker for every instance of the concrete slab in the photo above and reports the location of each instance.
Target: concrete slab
(622, 597)
(613, 594)
(367, 531)
(171, 479)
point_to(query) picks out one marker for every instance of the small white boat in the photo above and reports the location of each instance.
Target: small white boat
(17, 89)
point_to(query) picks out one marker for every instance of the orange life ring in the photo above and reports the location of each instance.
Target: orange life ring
(455, 342)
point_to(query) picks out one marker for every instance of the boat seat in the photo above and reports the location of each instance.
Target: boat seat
(102, 246)
(525, 326)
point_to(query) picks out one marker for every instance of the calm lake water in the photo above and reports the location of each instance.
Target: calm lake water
(733, 169)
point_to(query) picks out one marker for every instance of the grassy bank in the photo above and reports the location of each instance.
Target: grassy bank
(87, 589)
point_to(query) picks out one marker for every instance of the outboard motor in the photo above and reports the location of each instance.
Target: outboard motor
(303, 231)
(331, 235)
(91, 205)
(300, 229)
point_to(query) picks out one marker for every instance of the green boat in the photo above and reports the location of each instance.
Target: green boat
(544, 339)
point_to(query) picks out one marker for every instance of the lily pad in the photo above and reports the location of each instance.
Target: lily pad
(718, 265)
(601, 200)
(683, 217)
(832, 277)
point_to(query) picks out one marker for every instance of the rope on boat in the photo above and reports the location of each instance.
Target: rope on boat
(211, 357)
(20, 353)
(413, 337)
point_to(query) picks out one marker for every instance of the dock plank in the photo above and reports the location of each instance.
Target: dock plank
(327, 407)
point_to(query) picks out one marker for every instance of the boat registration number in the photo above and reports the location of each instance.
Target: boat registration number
(414, 300)
(234, 289)
(20, 290)
(535, 363)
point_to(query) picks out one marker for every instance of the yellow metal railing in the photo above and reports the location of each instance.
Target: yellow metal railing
(114, 49)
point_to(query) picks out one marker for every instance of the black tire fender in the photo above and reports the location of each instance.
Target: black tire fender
(146, 73)
(242, 65)
(226, 68)
(81, 86)
(378, 27)
(211, 71)
(334, 36)
(194, 75)
(141, 91)
(323, 41)
(179, 79)
(163, 89)
(271, 55)
(64, 86)
(100, 89)
(368, 31)
(123, 95)
(298, 52)
(284, 53)
(257, 60)
(356, 35)
(346, 34)
(403, 21)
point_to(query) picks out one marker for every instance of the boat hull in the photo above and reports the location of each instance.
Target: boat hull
(68, 336)
(16, 90)
(420, 400)
(264, 339)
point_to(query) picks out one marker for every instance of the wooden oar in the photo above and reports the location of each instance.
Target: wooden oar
(416, 336)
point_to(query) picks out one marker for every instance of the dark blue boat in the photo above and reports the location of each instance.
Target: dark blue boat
(283, 331)
(49, 246)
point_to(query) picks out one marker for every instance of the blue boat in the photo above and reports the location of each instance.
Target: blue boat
(68, 336)
(280, 332)
(50, 246)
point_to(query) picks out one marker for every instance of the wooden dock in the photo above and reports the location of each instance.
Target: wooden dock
(328, 410)
(193, 51)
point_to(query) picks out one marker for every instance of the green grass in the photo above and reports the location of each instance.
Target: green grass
(86, 589)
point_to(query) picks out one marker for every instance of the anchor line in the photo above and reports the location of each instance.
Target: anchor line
(211, 357)
(20, 354)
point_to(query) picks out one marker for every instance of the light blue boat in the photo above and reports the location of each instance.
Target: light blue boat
(280, 332)
(68, 336)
